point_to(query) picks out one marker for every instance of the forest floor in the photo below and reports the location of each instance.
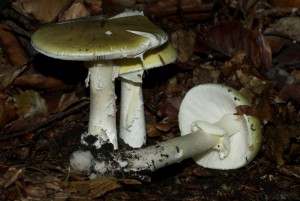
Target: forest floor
(251, 46)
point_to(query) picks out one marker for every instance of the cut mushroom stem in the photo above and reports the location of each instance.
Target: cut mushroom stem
(203, 137)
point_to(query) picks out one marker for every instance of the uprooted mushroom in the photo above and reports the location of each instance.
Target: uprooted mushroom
(211, 133)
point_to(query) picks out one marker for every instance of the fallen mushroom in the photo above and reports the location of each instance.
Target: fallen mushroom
(211, 133)
(208, 103)
(132, 118)
(98, 41)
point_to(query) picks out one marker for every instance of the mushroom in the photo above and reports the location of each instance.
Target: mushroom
(210, 103)
(132, 118)
(98, 41)
(211, 133)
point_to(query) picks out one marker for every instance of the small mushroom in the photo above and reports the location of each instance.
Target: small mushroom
(98, 41)
(132, 118)
(211, 133)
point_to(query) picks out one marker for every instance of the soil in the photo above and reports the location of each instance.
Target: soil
(35, 151)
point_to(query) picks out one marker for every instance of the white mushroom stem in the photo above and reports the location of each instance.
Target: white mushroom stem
(172, 151)
(102, 117)
(132, 118)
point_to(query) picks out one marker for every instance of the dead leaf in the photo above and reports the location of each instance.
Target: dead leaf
(76, 10)
(12, 47)
(277, 43)
(261, 108)
(287, 27)
(296, 74)
(130, 181)
(41, 10)
(288, 56)
(285, 3)
(290, 170)
(282, 144)
(290, 92)
(58, 101)
(234, 64)
(30, 104)
(151, 130)
(14, 174)
(7, 110)
(9, 74)
(95, 187)
(190, 10)
(35, 80)
(184, 42)
(253, 83)
(169, 108)
(281, 77)
(165, 126)
(94, 6)
(232, 38)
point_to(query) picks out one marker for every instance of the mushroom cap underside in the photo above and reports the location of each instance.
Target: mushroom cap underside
(209, 103)
(99, 39)
(160, 56)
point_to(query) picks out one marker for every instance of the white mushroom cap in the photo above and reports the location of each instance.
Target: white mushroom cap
(210, 103)
(98, 39)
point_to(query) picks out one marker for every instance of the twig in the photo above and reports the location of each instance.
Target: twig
(50, 120)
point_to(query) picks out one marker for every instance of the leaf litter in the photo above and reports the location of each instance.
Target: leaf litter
(250, 46)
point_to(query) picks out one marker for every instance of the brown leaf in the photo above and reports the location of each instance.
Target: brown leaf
(30, 104)
(261, 109)
(9, 74)
(12, 47)
(285, 3)
(253, 83)
(169, 108)
(296, 74)
(151, 130)
(231, 38)
(189, 10)
(95, 187)
(22, 124)
(95, 6)
(130, 181)
(76, 10)
(7, 110)
(41, 10)
(37, 80)
(288, 56)
(58, 101)
(276, 42)
(282, 143)
(290, 170)
(184, 42)
(290, 92)
(235, 63)
(14, 174)
(287, 27)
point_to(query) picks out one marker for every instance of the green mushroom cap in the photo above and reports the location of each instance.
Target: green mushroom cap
(99, 39)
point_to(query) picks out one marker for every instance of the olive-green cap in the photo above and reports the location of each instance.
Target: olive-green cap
(92, 39)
